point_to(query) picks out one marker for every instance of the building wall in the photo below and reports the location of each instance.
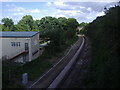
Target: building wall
(10, 51)
(35, 46)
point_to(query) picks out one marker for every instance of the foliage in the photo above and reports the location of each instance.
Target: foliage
(26, 23)
(104, 32)
(58, 31)
(83, 24)
(8, 24)
(81, 28)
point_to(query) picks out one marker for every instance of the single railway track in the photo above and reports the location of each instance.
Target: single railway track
(57, 73)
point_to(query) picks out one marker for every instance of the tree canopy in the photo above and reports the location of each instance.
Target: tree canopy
(83, 24)
(8, 24)
(26, 23)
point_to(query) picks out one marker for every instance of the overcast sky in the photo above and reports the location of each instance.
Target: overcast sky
(82, 11)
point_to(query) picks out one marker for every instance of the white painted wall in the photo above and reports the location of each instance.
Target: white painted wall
(10, 51)
(35, 46)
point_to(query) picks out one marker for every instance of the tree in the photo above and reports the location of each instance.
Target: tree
(0, 27)
(72, 23)
(48, 23)
(83, 24)
(50, 28)
(105, 10)
(8, 24)
(71, 26)
(62, 22)
(26, 23)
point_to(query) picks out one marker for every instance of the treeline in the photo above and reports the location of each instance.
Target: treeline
(57, 30)
(83, 24)
(104, 32)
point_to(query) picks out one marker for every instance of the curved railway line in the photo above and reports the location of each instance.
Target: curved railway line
(54, 77)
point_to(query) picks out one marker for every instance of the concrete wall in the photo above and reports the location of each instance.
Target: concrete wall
(34, 47)
(9, 51)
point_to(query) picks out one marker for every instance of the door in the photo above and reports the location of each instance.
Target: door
(26, 46)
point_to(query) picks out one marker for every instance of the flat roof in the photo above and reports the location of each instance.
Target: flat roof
(17, 34)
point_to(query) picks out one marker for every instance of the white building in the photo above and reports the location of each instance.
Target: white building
(19, 46)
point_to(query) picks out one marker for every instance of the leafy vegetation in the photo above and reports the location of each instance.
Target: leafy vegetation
(8, 24)
(81, 28)
(83, 24)
(104, 31)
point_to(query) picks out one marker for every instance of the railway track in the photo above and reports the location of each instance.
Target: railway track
(77, 76)
(58, 72)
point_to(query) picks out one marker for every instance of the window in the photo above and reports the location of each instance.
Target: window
(26, 46)
(15, 44)
(18, 43)
(11, 43)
